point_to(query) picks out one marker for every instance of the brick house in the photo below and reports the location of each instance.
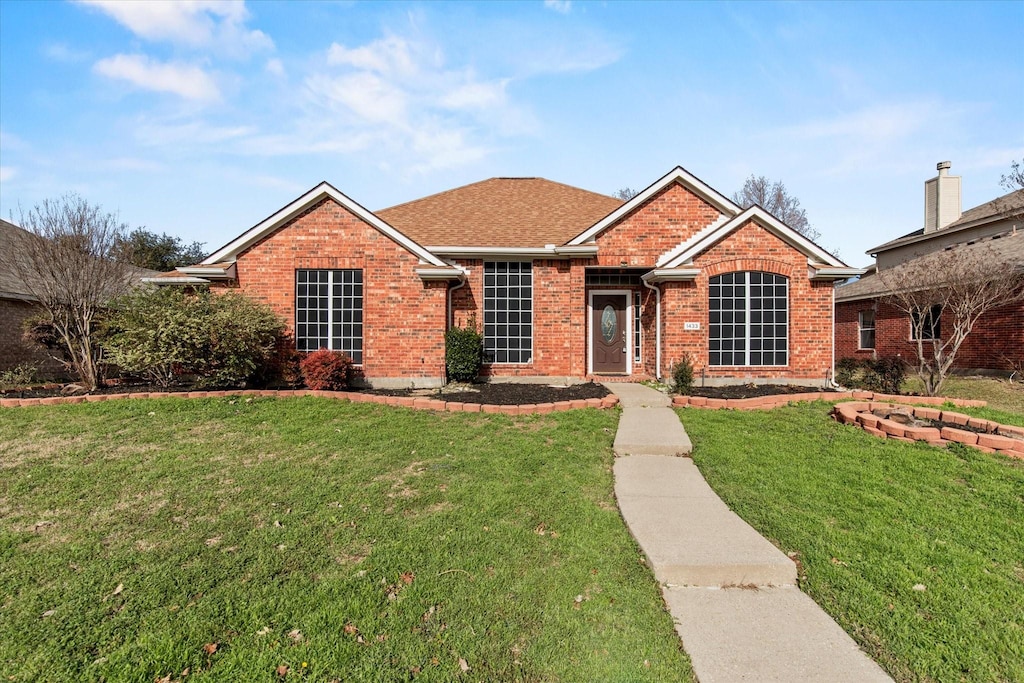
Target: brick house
(867, 327)
(564, 283)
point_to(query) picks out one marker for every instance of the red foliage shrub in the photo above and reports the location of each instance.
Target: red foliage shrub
(326, 370)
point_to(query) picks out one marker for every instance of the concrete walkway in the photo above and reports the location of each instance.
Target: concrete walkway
(732, 594)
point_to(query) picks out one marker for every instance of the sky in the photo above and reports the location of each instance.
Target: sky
(201, 118)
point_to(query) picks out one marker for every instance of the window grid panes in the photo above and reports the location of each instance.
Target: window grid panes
(866, 326)
(931, 326)
(748, 319)
(508, 311)
(636, 327)
(329, 311)
(612, 279)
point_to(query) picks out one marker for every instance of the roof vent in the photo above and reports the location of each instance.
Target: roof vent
(941, 199)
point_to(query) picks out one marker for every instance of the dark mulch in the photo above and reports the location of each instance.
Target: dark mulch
(505, 393)
(752, 390)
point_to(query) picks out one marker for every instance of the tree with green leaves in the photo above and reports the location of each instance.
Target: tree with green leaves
(163, 252)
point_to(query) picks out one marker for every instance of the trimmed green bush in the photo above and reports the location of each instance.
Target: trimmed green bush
(884, 375)
(164, 333)
(464, 352)
(326, 370)
(682, 376)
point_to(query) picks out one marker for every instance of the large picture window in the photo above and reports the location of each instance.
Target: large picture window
(748, 316)
(329, 311)
(508, 312)
(866, 328)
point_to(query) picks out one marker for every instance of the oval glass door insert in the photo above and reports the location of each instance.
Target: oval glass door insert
(609, 324)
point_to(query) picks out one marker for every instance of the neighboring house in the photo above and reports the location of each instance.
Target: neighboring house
(564, 283)
(867, 327)
(18, 304)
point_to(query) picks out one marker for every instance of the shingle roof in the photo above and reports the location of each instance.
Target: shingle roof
(1007, 249)
(501, 212)
(999, 208)
(11, 284)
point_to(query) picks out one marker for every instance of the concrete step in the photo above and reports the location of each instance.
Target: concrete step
(651, 431)
(690, 537)
(765, 635)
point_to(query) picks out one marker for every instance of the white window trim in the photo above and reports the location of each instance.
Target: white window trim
(628, 293)
(936, 319)
(861, 328)
(746, 324)
(533, 314)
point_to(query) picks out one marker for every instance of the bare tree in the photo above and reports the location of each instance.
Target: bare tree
(64, 257)
(1014, 180)
(773, 197)
(944, 294)
(625, 194)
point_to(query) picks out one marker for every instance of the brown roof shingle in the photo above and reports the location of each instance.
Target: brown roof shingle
(501, 212)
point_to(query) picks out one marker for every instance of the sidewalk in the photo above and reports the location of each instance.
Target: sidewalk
(732, 594)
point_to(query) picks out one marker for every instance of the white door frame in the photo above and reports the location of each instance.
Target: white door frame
(628, 295)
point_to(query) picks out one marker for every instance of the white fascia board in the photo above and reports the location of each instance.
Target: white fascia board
(230, 251)
(676, 175)
(837, 273)
(184, 280)
(433, 274)
(670, 275)
(669, 257)
(767, 221)
(224, 272)
(514, 252)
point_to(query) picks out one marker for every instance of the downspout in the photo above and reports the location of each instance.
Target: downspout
(832, 379)
(657, 329)
(451, 310)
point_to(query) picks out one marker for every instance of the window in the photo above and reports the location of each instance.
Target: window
(636, 327)
(748, 315)
(930, 326)
(866, 326)
(508, 312)
(329, 311)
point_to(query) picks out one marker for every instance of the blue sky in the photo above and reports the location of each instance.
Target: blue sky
(200, 119)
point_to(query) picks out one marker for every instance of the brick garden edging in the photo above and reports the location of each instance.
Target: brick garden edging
(777, 400)
(415, 402)
(999, 438)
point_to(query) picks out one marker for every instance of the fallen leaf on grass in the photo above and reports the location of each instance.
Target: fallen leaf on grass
(263, 631)
(920, 587)
(350, 629)
(296, 635)
(210, 648)
(281, 670)
(48, 613)
(463, 664)
(408, 578)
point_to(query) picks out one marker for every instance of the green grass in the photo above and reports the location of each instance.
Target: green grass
(350, 542)
(870, 519)
(1000, 394)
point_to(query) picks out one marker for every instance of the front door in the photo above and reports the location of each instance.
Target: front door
(608, 333)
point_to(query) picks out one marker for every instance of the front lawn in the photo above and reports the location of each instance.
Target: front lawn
(918, 552)
(310, 539)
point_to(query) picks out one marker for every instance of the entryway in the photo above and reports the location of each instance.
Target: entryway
(609, 333)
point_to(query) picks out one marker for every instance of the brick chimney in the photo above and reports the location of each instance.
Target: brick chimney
(941, 199)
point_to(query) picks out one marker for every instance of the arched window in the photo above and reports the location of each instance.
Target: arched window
(748, 319)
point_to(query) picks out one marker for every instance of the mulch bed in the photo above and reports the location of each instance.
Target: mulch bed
(752, 390)
(504, 393)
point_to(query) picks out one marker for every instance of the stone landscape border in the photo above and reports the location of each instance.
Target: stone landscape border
(777, 400)
(416, 403)
(998, 438)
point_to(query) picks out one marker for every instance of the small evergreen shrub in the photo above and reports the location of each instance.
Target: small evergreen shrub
(882, 375)
(326, 370)
(21, 375)
(463, 352)
(848, 372)
(682, 376)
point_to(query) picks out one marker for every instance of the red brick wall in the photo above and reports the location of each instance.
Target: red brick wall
(751, 248)
(404, 318)
(997, 337)
(13, 349)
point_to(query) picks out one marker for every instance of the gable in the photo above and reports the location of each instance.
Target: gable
(281, 218)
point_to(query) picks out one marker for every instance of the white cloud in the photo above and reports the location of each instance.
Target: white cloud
(275, 67)
(7, 173)
(475, 95)
(184, 80)
(215, 24)
(60, 52)
(560, 6)
(388, 56)
(370, 98)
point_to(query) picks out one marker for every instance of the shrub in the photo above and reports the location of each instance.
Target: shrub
(884, 375)
(463, 352)
(326, 370)
(848, 372)
(682, 376)
(163, 333)
(21, 375)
